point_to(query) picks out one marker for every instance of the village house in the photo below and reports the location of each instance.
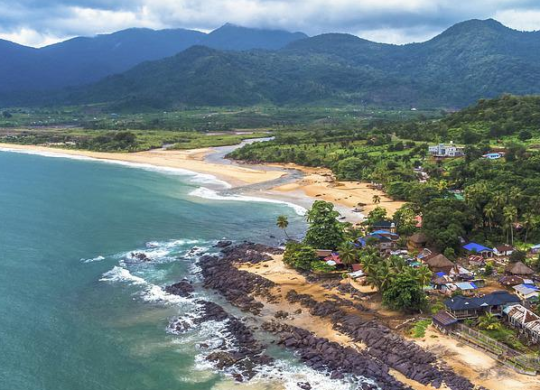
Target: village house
(387, 226)
(528, 293)
(439, 263)
(417, 242)
(503, 250)
(522, 318)
(463, 308)
(442, 150)
(474, 248)
(493, 156)
(384, 240)
(511, 280)
(519, 269)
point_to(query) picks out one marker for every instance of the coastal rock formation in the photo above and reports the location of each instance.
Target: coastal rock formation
(402, 355)
(324, 355)
(235, 285)
(183, 288)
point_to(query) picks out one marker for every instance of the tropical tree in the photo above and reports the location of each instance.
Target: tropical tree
(510, 215)
(490, 210)
(348, 253)
(325, 231)
(489, 322)
(424, 275)
(405, 294)
(283, 223)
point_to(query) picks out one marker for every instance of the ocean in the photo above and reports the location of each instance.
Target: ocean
(79, 312)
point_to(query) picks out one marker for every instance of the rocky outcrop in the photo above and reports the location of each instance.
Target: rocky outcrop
(237, 286)
(402, 355)
(183, 288)
(324, 355)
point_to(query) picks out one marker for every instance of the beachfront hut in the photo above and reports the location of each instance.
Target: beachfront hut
(444, 322)
(463, 308)
(473, 247)
(518, 269)
(417, 241)
(439, 263)
(503, 250)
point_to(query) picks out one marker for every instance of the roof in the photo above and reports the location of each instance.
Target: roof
(504, 248)
(439, 261)
(385, 232)
(526, 318)
(496, 298)
(525, 289)
(418, 238)
(357, 267)
(383, 224)
(473, 246)
(466, 286)
(444, 318)
(510, 280)
(519, 269)
(323, 252)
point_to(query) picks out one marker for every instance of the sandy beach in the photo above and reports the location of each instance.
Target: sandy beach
(317, 183)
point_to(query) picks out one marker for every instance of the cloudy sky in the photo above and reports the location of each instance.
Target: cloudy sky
(40, 22)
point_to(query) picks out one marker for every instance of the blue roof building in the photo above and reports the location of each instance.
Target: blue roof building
(477, 248)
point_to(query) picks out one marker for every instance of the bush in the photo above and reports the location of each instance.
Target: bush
(299, 256)
(321, 266)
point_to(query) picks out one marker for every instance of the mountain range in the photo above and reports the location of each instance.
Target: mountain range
(471, 60)
(83, 60)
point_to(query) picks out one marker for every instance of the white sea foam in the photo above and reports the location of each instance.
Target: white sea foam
(97, 258)
(150, 292)
(207, 193)
(199, 178)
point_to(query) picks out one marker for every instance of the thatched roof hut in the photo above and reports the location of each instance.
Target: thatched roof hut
(439, 263)
(518, 269)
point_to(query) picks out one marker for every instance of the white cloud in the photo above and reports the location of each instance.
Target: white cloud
(36, 22)
(526, 20)
(28, 37)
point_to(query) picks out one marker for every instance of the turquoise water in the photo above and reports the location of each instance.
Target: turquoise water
(75, 312)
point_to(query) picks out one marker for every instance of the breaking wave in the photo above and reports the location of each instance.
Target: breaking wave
(207, 193)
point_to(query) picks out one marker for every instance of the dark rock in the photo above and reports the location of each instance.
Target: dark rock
(183, 288)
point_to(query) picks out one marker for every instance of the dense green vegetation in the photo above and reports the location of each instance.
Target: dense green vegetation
(469, 61)
(122, 140)
(490, 201)
(83, 60)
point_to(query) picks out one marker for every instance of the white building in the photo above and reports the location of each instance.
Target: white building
(442, 150)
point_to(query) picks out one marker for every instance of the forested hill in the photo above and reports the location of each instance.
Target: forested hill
(471, 60)
(83, 60)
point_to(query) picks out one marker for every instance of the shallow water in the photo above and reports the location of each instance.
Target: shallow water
(77, 312)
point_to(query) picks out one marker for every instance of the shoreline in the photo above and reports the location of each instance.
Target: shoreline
(249, 181)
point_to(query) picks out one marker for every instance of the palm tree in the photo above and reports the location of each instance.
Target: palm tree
(283, 223)
(376, 199)
(348, 253)
(528, 221)
(490, 211)
(424, 275)
(489, 322)
(500, 200)
(510, 215)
